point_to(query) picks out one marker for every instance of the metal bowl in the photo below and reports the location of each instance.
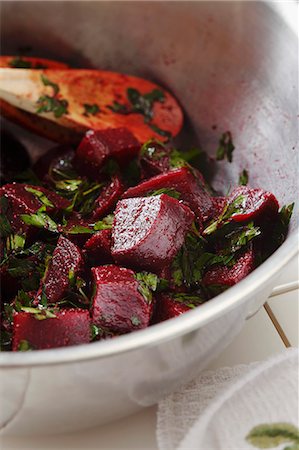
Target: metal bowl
(233, 66)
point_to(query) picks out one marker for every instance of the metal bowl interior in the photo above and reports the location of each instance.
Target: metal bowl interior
(232, 65)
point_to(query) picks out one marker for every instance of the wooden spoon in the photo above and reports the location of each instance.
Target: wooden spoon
(80, 99)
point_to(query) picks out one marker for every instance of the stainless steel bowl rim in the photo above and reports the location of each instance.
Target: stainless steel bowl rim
(167, 330)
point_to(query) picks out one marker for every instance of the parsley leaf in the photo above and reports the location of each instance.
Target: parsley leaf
(24, 346)
(230, 209)
(40, 220)
(47, 82)
(171, 192)
(15, 242)
(135, 321)
(39, 313)
(226, 147)
(142, 104)
(105, 223)
(52, 103)
(282, 224)
(243, 178)
(90, 109)
(40, 195)
(19, 63)
(190, 300)
(240, 237)
(148, 283)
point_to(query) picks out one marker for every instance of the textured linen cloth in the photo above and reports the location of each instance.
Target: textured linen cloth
(220, 408)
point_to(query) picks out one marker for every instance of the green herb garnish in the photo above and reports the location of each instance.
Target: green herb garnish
(226, 147)
(142, 104)
(229, 210)
(19, 63)
(40, 196)
(243, 178)
(105, 223)
(148, 283)
(40, 220)
(39, 313)
(190, 300)
(171, 192)
(24, 346)
(52, 103)
(90, 110)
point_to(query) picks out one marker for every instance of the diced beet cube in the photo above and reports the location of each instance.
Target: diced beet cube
(60, 158)
(108, 198)
(148, 232)
(228, 276)
(167, 307)
(98, 248)
(155, 160)
(190, 186)
(21, 201)
(98, 146)
(256, 204)
(66, 263)
(117, 303)
(69, 327)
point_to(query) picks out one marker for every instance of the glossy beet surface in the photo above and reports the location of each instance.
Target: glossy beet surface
(98, 147)
(107, 199)
(65, 265)
(148, 231)
(97, 249)
(228, 276)
(64, 328)
(190, 187)
(117, 303)
(21, 199)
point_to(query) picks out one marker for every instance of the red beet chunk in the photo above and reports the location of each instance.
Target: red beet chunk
(257, 204)
(108, 198)
(228, 276)
(20, 201)
(66, 262)
(155, 160)
(98, 146)
(98, 248)
(149, 231)
(167, 308)
(59, 158)
(69, 327)
(117, 303)
(190, 186)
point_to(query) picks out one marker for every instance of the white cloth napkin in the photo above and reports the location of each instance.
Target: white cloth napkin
(220, 409)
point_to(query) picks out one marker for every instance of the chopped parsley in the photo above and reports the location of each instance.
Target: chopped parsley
(39, 313)
(225, 148)
(19, 63)
(148, 283)
(47, 103)
(40, 196)
(24, 346)
(229, 210)
(135, 321)
(105, 223)
(142, 104)
(243, 178)
(90, 110)
(40, 220)
(171, 192)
